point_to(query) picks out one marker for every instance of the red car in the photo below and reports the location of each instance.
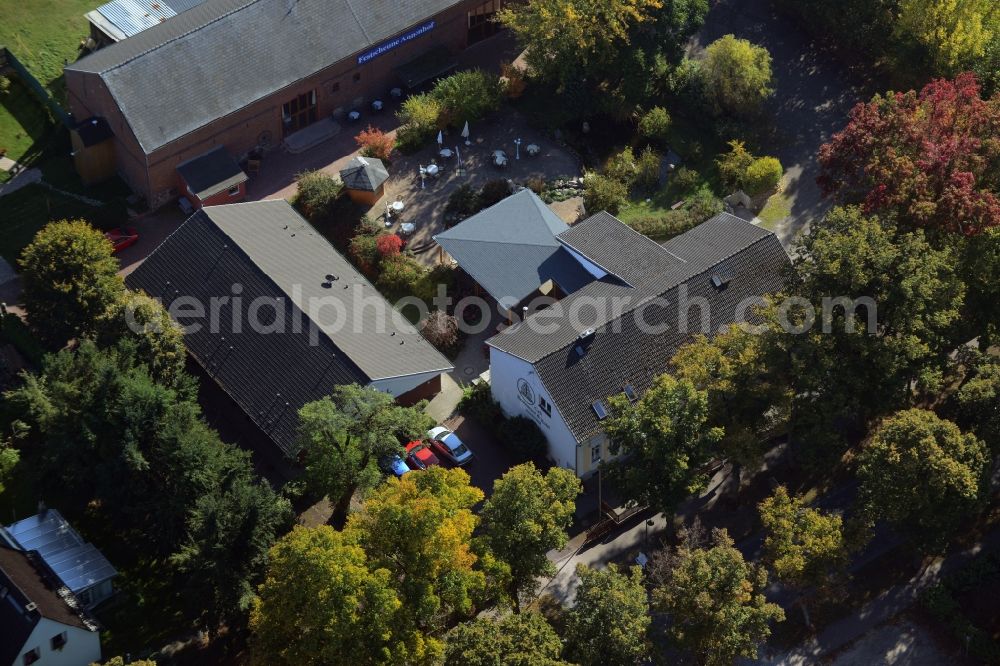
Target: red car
(121, 238)
(420, 456)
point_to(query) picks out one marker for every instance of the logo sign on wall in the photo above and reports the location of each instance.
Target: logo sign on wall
(525, 392)
(385, 47)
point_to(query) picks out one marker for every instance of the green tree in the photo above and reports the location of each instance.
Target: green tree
(9, 457)
(230, 530)
(120, 661)
(603, 193)
(654, 125)
(159, 341)
(923, 475)
(976, 403)
(862, 360)
(316, 193)
(322, 603)
(716, 602)
(956, 33)
(468, 95)
(734, 164)
(70, 279)
(346, 435)
(737, 75)
(804, 547)
(565, 37)
(527, 516)
(516, 639)
(666, 439)
(420, 527)
(608, 623)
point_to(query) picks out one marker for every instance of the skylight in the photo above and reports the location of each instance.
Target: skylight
(600, 410)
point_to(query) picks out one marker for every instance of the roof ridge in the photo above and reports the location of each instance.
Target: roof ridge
(656, 294)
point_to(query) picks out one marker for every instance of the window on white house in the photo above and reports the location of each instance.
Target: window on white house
(595, 453)
(545, 405)
(59, 641)
(234, 191)
(32, 656)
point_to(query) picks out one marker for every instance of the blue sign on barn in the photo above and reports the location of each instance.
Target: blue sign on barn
(385, 47)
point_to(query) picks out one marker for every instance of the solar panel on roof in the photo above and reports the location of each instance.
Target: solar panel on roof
(630, 393)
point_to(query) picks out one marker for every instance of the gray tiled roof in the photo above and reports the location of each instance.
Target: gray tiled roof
(364, 173)
(511, 249)
(276, 256)
(619, 353)
(211, 173)
(223, 55)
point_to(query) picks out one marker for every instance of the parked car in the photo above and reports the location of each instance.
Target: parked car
(121, 238)
(447, 444)
(394, 465)
(420, 456)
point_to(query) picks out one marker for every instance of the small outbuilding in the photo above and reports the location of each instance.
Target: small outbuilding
(212, 179)
(93, 150)
(364, 179)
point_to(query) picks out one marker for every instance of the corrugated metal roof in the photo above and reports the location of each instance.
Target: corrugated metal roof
(77, 563)
(131, 17)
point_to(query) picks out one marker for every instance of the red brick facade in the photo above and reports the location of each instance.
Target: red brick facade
(342, 86)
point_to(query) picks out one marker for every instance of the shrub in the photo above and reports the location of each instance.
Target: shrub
(685, 180)
(536, 184)
(733, 165)
(603, 193)
(468, 95)
(703, 205)
(441, 330)
(369, 227)
(477, 403)
(512, 80)
(493, 192)
(398, 274)
(426, 288)
(463, 202)
(364, 253)
(316, 194)
(647, 175)
(419, 116)
(388, 245)
(654, 125)
(762, 176)
(666, 225)
(622, 167)
(524, 438)
(373, 142)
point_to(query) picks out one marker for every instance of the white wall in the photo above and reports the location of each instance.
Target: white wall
(506, 371)
(590, 266)
(82, 647)
(397, 386)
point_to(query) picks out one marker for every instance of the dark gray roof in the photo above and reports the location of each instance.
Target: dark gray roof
(364, 173)
(277, 257)
(511, 249)
(223, 55)
(620, 353)
(211, 173)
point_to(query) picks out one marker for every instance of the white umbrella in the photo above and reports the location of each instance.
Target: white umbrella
(465, 133)
(440, 137)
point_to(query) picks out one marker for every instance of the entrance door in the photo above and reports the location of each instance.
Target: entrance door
(298, 112)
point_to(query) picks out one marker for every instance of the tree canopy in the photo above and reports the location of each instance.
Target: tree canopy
(347, 434)
(668, 440)
(737, 75)
(526, 516)
(716, 602)
(70, 279)
(956, 33)
(609, 620)
(930, 158)
(159, 341)
(321, 603)
(922, 474)
(515, 639)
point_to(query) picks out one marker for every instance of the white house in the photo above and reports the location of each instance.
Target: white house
(41, 622)
(617, 332)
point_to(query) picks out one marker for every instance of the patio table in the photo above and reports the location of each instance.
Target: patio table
(432, 169)
(377, 105)
(532, 149)
(499, 158)
(353, 116)
(397, 207)
(406, 228)
(446, 153)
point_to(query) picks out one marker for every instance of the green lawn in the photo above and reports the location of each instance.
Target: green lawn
(24, 212)
(25, 125)
(45, 34)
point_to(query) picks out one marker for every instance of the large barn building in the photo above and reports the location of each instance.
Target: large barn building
(247, 74)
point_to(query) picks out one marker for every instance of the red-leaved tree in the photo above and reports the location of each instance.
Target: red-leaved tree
(389, 245)
(933, 158)
(373, 142)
